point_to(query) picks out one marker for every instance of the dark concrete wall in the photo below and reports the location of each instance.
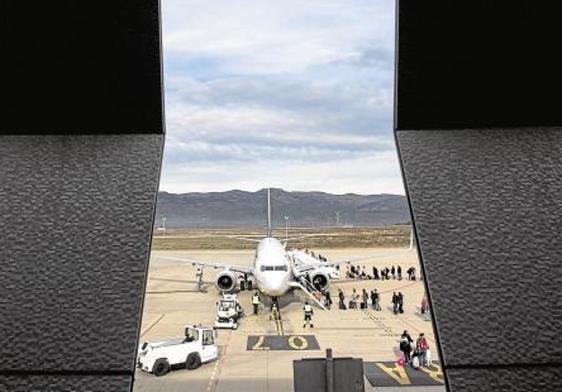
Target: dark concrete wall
(477, 126)
(81, 141)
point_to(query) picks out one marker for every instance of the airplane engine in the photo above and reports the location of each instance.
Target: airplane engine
(320, 281)
(226, 281)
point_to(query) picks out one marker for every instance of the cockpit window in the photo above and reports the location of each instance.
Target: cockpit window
(273, 268)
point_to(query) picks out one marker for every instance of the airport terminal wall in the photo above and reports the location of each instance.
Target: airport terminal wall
(81, 140)
(477, 128)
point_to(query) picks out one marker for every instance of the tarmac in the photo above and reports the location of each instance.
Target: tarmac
(249, 363)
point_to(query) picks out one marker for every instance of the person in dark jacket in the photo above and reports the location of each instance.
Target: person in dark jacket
(365, 299)
(342, 300)
(406, 342)
(376, 273)
(395, 303)
(328, 300)
(401, 302)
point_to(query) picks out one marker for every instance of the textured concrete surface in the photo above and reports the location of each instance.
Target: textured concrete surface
(517, 379)
(77, 213)
(65, 383)
(478, 198)
(487, 210)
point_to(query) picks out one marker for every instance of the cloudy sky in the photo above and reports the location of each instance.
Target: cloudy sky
(290, 94)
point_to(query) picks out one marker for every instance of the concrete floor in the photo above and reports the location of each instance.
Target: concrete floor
(172, 302)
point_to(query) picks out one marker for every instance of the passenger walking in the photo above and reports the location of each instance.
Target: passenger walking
(395, 303)
(425, 309)
(401, 302)
(399, 271)
(365, 299)
(406, 342)
(422, 347)
(256, 302)
(307, 315)
(377, 301)
(353, 300)
(375, 273)
(342, 300)
(328, 300)
(393, 272)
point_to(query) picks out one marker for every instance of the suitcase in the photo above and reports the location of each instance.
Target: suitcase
(416, 362)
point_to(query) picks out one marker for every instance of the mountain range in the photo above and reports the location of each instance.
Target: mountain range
(242, 209)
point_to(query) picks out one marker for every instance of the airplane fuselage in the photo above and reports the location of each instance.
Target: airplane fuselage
(272, 268)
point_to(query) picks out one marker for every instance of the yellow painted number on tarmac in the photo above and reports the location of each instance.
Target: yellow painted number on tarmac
(303, 344)
(397, 373)
(258, 345)
(434, 373)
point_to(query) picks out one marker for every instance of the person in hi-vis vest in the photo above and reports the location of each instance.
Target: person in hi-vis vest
(307, 315)
(256, 302)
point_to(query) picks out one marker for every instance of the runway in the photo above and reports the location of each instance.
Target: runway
(172, 302)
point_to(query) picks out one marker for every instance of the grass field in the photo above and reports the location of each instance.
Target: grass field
(356, 237)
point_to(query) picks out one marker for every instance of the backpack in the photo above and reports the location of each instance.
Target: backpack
(404, 344)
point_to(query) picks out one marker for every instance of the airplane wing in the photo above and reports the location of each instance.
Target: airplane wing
(208, 264)
(365, 258)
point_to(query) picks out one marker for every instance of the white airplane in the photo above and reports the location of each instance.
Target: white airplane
(277, 270)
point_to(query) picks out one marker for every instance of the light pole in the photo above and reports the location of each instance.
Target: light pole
(286, 227)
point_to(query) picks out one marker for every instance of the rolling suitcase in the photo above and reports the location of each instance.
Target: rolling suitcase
(416, 362)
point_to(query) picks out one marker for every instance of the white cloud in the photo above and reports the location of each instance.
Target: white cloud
(363, 175)
(303, 89)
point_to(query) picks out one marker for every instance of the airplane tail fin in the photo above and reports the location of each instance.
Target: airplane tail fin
(269, 212)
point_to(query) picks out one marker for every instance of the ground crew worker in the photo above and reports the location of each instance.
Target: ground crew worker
(232, 312)
(256, 302)
(199, 276)
(307, 315)
(274, 314)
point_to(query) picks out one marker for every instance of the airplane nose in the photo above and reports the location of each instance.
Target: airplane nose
(276, 289)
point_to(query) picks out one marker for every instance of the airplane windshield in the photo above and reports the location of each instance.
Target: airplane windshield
(273, 268)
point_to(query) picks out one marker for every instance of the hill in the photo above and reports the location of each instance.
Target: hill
(243, 209)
